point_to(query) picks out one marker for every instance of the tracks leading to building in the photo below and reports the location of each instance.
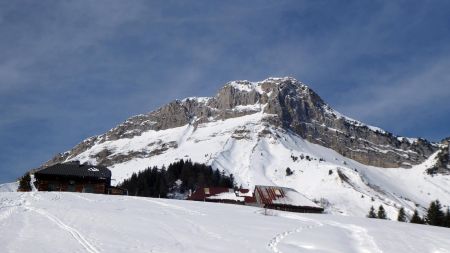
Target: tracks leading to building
(77, 235)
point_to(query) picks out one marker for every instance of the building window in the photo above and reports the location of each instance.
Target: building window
(71, 188)
(277, 192)
(88, 188)
(51, 187)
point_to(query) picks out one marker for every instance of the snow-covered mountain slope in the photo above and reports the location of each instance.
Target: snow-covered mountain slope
(75, 222)
(256, 130)
(258, 153)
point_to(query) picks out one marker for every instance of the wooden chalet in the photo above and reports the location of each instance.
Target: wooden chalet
(74, 177)
(285, 199)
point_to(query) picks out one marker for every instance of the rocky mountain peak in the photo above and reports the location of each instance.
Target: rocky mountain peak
(266, 85)
(289, 105)
(289, 85)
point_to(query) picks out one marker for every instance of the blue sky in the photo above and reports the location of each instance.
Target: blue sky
(73, 69)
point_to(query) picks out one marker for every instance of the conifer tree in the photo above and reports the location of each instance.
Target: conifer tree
(401, 215)
(289, 171)
(25, 183)
(372, 213)
(447, 218)
(416, 218)
(435, 216)
(381, 213)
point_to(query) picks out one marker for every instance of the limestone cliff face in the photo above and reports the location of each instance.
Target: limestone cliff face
(294, 107)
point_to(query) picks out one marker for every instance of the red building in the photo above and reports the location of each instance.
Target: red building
(219, 194)
(271, 197)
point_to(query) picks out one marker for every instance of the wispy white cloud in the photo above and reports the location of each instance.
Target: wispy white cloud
(63, 29)
(418, 92)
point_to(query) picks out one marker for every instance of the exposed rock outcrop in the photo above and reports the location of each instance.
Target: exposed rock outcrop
(294, 107)
(442, 165)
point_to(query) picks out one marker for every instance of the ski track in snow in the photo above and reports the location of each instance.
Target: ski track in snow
(273, 244)
(74, 233)
(366, 243)
(10, 206)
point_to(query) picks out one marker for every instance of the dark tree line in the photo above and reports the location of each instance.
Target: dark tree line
(435, 215)
(179, 177)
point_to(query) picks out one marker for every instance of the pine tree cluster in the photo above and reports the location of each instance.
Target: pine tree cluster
(435, 216)
(179, 177)
(381, 214)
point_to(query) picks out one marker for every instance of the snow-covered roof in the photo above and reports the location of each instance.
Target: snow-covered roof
(244, 193)
(226, 196)
(220, 193)
(282, 196)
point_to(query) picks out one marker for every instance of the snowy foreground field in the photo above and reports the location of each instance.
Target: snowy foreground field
(73, 222)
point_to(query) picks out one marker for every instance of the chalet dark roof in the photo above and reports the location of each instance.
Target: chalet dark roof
(76, 169)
